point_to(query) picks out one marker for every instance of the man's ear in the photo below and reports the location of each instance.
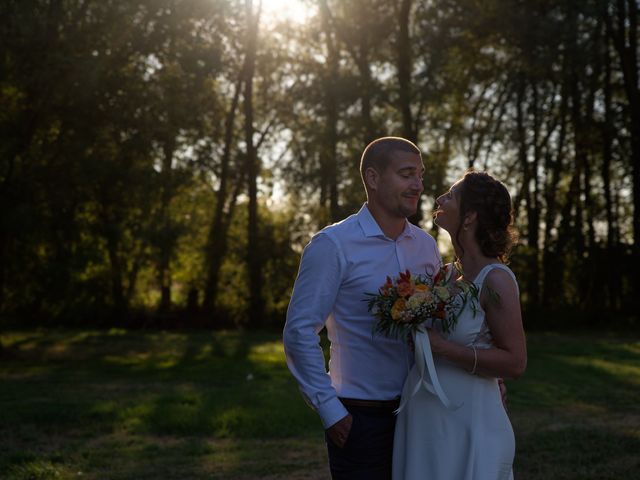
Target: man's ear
(371, 177)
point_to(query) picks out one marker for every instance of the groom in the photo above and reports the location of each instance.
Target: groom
(342, 263)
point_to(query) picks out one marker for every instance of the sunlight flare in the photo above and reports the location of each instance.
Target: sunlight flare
(291, 11)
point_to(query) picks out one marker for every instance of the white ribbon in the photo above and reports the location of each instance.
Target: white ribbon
(426, 369)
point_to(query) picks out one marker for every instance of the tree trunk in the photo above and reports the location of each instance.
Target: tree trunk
(359, 49)
(612, 285)
(404, 65)
(254, 256)
(594, 85)
(565, 232)
(166, 236)
(533, 207)
(330, 151)
(366, 85)
(216, 240)
(550, 257)
(526, 194)
(580, 154)
(625, 40)
(607, 141)
(117, 290)
(3, 264)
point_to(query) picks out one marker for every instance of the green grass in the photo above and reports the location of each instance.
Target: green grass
(140, 405)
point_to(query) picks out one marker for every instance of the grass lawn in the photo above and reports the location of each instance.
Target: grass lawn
(152, 405)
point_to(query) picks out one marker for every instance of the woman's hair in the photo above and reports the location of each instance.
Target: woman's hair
(481, 193)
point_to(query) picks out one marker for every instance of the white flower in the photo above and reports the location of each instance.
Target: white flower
(415, 300)
(442, 293)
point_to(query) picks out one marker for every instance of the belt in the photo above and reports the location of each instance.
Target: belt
(382, 404)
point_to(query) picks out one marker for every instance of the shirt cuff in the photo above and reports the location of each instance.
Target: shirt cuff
(331, 412)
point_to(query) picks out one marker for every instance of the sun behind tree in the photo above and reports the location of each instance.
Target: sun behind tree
(293, 11)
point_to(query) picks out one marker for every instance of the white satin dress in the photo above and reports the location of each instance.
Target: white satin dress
(464, 434)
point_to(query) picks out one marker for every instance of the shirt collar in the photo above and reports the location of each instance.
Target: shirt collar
(371, 228)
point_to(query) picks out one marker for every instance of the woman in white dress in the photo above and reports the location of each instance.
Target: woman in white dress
(454, 426)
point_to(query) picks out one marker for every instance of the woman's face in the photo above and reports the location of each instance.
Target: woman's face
(447, 213)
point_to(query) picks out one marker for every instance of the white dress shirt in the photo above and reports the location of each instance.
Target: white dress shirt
(342, 263)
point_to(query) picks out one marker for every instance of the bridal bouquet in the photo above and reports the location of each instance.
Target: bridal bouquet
(404, 303)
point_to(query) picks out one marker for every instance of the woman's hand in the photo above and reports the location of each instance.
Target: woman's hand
(437, 341)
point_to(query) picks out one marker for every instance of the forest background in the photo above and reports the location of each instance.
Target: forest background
(163, 163)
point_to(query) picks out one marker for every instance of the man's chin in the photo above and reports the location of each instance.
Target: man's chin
(408, 211)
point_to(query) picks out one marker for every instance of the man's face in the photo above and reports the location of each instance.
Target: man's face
(400, 185)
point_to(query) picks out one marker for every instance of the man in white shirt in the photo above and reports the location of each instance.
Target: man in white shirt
(342, 263)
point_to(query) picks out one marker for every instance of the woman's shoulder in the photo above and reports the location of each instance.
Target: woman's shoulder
(501, 278)
(500, 269)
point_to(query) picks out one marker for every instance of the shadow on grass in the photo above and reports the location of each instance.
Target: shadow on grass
(600, 374)
(140, 404)
(244, 393)
(62, 392)
(584, 453)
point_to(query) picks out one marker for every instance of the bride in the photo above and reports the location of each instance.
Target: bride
(454, 425)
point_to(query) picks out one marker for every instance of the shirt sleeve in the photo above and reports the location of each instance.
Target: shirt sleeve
(312, 300)
(437, 258)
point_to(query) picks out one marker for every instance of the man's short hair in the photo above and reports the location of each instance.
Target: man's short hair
(377, 155)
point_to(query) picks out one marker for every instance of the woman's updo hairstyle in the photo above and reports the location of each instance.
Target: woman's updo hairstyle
(483, 194)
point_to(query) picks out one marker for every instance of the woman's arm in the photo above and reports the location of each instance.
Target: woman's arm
(508, 357)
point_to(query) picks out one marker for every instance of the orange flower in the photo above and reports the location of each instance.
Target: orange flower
(440, 312)
(405, 277)
(406, 285)
(405, 289)
(398, 308)
(385, 290)
(421, 287)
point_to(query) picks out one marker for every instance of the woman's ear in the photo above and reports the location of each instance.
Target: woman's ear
(371, 177)
(469, 219)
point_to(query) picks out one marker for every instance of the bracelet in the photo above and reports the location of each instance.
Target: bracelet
(475, 360)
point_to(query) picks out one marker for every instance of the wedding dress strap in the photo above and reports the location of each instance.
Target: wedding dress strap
(479, 281)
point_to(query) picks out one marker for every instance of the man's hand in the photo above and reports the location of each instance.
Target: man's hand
(411, 343)
(503, 392)
(339, 431)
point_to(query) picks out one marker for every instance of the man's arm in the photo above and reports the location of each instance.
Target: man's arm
(312, 300)
(437, 254)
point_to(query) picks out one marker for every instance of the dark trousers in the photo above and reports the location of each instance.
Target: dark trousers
(368, 451)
